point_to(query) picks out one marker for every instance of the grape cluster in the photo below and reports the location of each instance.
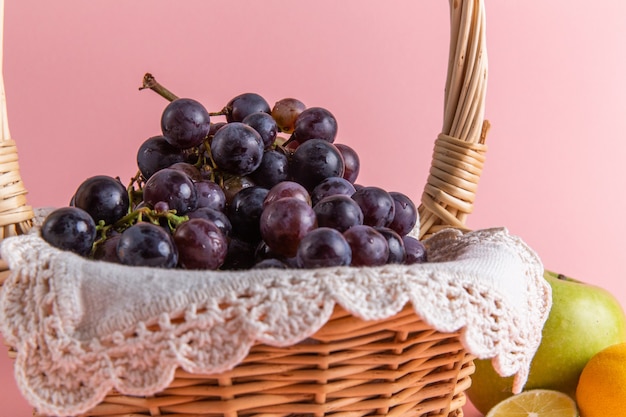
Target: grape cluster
(265, 187)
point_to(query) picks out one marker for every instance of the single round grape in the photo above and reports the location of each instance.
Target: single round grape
(156, 153)
(273, 169)
(104, 198)
(314, 161)
(377, 205)
(185, 123)
(71, 229)
(219, 218)
(172, 186)
(315, 123)
(284, 223)
(285, 112)
(146, 244)
(351, 161)
(233, 184)
(415, 250)
(397, 253)
(323, 247)
(369, 247)
(240, 255)
(191, 170)
(245, 211)
(332, 186)
(265, 126)
(405, 213)
(270, 263)
(237, 149)
(339, 212)
(287, 189)
(210, 195)
(107, 249)
(201, 244)
(161, 207)
(244, 104)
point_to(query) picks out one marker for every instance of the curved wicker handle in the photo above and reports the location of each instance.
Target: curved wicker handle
(459, 150)
(15, 215)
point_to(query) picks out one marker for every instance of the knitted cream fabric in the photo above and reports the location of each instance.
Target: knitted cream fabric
(83, 327)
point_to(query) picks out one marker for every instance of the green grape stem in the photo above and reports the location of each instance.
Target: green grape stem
(149, 82)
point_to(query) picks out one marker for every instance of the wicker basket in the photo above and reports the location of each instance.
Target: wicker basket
(395, 367)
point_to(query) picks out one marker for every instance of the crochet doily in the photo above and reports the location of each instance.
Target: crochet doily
(84, 327)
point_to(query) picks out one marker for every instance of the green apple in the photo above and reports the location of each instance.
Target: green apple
(584, 319)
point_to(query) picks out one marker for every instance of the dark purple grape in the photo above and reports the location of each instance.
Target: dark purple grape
(71, 229)
(397, 253)
(285, 112)
(284, 223)
(245, 211)
(405, 213)
(369, 247)
(273, 169)
(201, 244)
(185, 123)
(220, 219)
(107, 249)
(331, 186)
(215, 127)
(339, 212)
(265, 126)
(146, 244)
(287, 189)
(173, 187)
(232, 185)
(377, 205)
(351, 162)
(161, 207)
(314, 161)
(191, 170)
(315, 123)
(156, 153)
(323, 247)
(415, 250)
(240, 255)
(244, 104)
(210, 195)
(237, 149)
(103, 197)
(270, 263)
(263, 252)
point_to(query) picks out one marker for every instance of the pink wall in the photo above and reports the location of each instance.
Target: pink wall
(556, 99)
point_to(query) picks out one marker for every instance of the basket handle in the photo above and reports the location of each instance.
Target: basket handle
(459, 152)
(15, 215)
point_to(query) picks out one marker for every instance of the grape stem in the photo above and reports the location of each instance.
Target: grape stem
(149, 82)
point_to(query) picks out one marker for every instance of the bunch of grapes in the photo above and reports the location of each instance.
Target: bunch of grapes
(264, 187)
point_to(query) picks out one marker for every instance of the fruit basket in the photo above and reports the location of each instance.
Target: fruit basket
(393, 340)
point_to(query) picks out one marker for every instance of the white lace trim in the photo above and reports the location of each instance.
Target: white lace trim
(83, 327)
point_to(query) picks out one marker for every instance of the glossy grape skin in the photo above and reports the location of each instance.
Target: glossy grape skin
(185, 123)
(240, 255)
(377, 205)
(173, 187)
(107, 250)
(243, 105)
(273, 169)
(284, 223)
(146, 244)
(339, 212)
(285, 112)
(415, 250)
(219, 218)
(314, 161)
(71, 229)
(210, 195)
(263, 251)
(351, 161)
(233, 184)
(237, 149)
(201, 244)
(315, 123)
(191, 170)
(405, 213)
(397, 252)
(287, 189)
(332, 186)
(323, 247)
(156, 153)
(245, 211)
(369, 247)
(265, 126)
(103, 197)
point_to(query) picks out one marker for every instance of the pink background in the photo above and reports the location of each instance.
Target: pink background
(556, 100)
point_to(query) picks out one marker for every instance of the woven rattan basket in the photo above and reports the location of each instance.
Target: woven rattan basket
(395, 367)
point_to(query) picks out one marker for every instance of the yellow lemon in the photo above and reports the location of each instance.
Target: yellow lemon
(536, 403)
(601, 390)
